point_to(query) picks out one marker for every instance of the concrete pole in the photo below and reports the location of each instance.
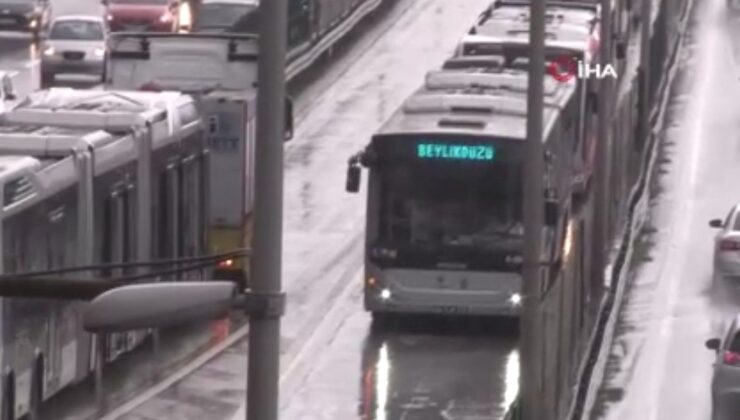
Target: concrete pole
(531, 337)
(266, 261)
(600, 185)
(645, 61)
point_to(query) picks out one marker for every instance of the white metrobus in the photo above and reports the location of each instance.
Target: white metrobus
(444, 231)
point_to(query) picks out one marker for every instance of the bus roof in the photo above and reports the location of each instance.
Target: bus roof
(594, 5)
(466, 112)
(112, 110)
(11, 166)
(27, 180)
(50, 142)
(472, 45)
(557, 16)
(569, 29)
(508, 81)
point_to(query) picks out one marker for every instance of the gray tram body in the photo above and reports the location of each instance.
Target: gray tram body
(463, 112)
(488, 74)
(501, 34)
(102, 183)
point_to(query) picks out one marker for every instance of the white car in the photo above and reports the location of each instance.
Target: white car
(727, 244)
(7, 93)
(74, 45)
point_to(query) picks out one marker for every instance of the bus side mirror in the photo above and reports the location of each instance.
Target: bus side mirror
(354, 175)
(712, 344)
(552, 213)
(288, 118)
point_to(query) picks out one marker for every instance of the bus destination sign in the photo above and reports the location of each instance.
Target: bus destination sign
(454, 152)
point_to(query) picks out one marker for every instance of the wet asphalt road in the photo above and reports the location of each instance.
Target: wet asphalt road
(333, 365)
(659, 368)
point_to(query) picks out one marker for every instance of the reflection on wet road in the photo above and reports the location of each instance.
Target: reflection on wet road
(659, 367)
(442, 376)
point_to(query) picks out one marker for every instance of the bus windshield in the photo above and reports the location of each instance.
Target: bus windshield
(458, 212)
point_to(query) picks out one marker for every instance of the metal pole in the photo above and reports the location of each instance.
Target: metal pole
(99, 365)
(264, 332)
(533, 221)
(8, 400)
(645, 61)
(601, 182)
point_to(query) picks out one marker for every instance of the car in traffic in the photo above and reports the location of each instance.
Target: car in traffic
(25, 15)
(727, 244)
(235, 16)
(725, 387)
(74, 45)
(142, 15)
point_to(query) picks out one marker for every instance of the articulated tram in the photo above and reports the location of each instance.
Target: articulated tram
(444, 230)
(489, 75)
(93, 181)
(501, 34)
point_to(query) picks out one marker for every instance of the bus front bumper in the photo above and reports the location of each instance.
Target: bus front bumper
(404, 302)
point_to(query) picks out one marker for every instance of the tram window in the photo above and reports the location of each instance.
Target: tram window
(191, 223)
(129, 225)
(12, 246)
(38, 256)
(174, 214)
(163, 219)
(183, 216)
(107, 242)
(198, 208)
(203, 202)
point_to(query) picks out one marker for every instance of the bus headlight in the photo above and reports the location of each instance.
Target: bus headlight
(385, 294)
(515, 299)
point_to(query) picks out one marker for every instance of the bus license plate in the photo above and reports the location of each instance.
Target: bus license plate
(453, 309)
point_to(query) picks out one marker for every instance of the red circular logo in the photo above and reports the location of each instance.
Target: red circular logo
(563, 68)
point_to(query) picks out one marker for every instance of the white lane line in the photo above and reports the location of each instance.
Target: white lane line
(684, 219)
